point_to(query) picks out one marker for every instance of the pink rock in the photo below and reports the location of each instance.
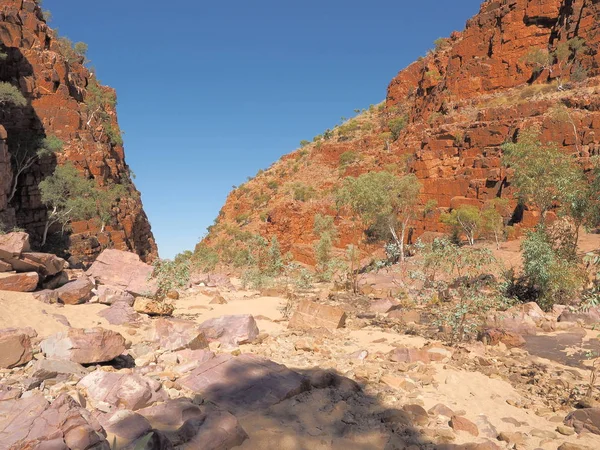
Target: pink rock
(314, 315)
(110, 295)
(187, 355)
(459, 423)
(409, 355)
(120, 313)
(177, 334)
(46, 296)
(246, 382)
(384, 305)
(84, 346)
(493, 336)
(231, 330)
(15, 348)
(125, 425)
(46, 264)
(123, 270)
(123, 390)
(13, 244)
(76, 292)
(587, 419)
(5, 267)
(19, 282)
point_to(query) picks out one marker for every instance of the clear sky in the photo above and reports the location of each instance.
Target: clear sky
(209, 92)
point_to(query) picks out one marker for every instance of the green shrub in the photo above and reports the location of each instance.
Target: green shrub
(10, 95)
(273, 185)
(301, 192)
(304, 143)
(172, 274)
(348, 158)
(396, 126)
(441, 43)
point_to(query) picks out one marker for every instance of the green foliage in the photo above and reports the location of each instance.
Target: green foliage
(100, 103)
(205, 259)
(325, 229)
(543, 174)
(539, 59)
(579, 74)
(492, 219)
(3, 56)
(171, 275)
(114, 134)
(81, 48)
(302, 192)
(73, 53)
(304, 143)
(554, 278)
(348, 129)
(348, 158)
(105, 200)
(465, 218)
(441, 43)
(10, 95)
(273, 185)
(396, 125)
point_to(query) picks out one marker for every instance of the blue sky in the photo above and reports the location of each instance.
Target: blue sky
(211, 92)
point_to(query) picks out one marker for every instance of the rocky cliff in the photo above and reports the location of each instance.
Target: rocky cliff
(460, 103)
(57, 87)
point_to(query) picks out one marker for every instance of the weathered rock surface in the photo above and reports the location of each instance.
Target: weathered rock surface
(178, 334)
(122, 390)
(76, 292)
(32, 423)
(587, 419)
(13, 244)
(110, 295)
(120, 313)
(313, 315)
(153, 307)
(244, 383)
(84, 346)
(15, 348)
(123, 270)
(19, 282)
(493, 336)
(231, 330)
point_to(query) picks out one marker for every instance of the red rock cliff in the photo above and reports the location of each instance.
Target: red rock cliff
(55, 85)
(461, 102)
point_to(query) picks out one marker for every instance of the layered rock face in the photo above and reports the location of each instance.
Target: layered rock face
(56, 85)
(461, 102)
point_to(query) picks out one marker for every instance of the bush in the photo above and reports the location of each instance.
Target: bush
(396, 126)
(304, 143)
(441, 43)
(10, 95)
(465, 218)
(172, 274)
(348, 158)
(301, 192)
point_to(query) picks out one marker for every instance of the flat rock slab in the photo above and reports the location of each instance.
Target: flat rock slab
(32, 423)
(84, 346)
(587, 419)
(231, 330)
(76, 292)
(19, 282)
(120, 314)
(5, 267)
(178, 334)
(384, 305)
(15, 348)
(244, 383)
(314, 315)
(123, 390)
(124, 270)
(110, 295)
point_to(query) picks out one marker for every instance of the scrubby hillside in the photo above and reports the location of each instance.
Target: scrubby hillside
(445, 119)
(60, 104)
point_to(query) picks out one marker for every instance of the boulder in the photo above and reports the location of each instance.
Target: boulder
(409, 355)
(405, 316)
(5, 267)
(218, 300)
(55, 281)
(231, 330)
(384, 305)
(244, 383)
(119, 314)
(44, 369)
(46, 264)
(314, 315)
(124, 426)
(15, 348)
(19, 282)
(587, 419)
(124, 270)
(84, 346)
(13, 244)
(122, 390)
(110, 295)
(76, 292)
(178, 334)
(493, 336)
(206, 427)
(31, 423)
(459, 423)
(589, 317)
(46, 296)
(153, 307)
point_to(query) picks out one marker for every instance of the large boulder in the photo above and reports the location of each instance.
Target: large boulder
(46, 264)
(84, 346)
(314, 315)
(123, 270)
(15, 348)
(76, 292)
(19, 282)
(122, 390)
(119, 314)
(178, 334)
(110, 295)
(13, 244)
(231, 330)
(587, 419)
(244, 383)
(32, 423)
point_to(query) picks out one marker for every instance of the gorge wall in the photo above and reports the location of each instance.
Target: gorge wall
(461, 102)
(56, 83)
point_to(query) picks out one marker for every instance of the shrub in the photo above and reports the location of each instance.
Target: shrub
(396, 126)
(441, 43)
(273, 185)
(172, 274)
(10, 95)
(304, 143)
(348, 158)
(301, 192)
(465, 218)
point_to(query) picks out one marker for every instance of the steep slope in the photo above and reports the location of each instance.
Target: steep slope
(460, 103)
(51, 76)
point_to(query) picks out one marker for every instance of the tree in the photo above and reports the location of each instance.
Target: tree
(492, 218)
(383, 198)
(542, 174)
(105, 199)
(25, 150)
(564, 56)
(100, 102)
(325, 229)
(10, 95)
(466, 218)
(68, 196)
(396, 126)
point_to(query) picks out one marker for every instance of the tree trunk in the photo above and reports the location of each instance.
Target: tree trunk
(46, 227)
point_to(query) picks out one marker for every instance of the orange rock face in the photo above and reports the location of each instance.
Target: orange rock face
(461, 103)
(55, 84)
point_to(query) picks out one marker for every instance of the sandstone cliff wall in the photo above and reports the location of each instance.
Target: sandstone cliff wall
(56, 85)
